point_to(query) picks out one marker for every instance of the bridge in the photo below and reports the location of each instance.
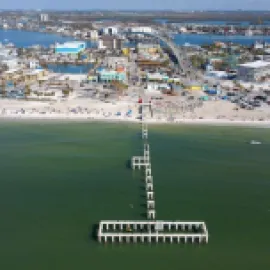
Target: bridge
(184, 64)
(164, 38)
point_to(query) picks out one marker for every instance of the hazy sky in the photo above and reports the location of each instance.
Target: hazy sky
(137, 4)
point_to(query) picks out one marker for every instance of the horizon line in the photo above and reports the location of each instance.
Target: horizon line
(136, 10)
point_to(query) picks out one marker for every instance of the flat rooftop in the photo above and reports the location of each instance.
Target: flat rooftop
(256, 64)
(70, 44)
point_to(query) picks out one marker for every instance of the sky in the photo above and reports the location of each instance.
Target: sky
(138, 4)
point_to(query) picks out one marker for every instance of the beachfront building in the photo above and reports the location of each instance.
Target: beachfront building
(111, 75)
(73, 47)
(253, 71)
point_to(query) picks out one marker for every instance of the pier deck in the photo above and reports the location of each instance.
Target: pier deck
(153, 231)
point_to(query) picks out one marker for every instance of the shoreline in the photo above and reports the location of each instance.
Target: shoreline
(195, 122)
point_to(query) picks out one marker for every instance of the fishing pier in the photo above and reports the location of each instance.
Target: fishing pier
(150, 230)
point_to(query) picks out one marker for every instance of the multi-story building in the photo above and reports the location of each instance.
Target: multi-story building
(253, 71)
(93, 34)
(112, 30)
(43, 17)
(140, 29)
(110, 42)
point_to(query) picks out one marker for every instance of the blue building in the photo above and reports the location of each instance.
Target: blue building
(73, 47)
(111, 75)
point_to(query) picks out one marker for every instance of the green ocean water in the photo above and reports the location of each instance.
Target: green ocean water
(57, 180)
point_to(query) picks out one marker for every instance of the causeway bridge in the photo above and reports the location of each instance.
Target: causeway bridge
(183, 62)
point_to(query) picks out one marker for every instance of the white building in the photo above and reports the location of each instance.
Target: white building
(101, 45)
(183, 29)
(5, 26)
(109, 42)
(217, 74)
(10, 61)
(4, 52)
(141, 29)
(8, 57)
(93, 34)
(112, 30)
(33, 64)
(44, 17)
(258, 46)
(19, 25)
(253, 71)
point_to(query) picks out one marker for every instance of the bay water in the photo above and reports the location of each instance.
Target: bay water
(26, 38)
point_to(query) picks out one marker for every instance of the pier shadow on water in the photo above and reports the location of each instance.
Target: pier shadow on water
(142, 188)
(143, 215)
(93, 232)
(142, 179)
(144, 205)
(128, 164)
(143, 196)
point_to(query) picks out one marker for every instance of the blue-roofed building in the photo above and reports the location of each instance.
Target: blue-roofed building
(73, 47)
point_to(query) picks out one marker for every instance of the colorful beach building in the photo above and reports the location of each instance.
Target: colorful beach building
(73, 47)
(105, 75)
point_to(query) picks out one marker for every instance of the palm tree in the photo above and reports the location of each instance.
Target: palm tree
(3, 86)
(65, 92)
(27, 90)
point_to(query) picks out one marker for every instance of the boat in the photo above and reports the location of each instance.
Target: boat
(255, 142)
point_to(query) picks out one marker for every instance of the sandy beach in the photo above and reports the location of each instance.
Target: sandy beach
(211, 113)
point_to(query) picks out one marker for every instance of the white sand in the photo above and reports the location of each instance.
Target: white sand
(212, 113)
